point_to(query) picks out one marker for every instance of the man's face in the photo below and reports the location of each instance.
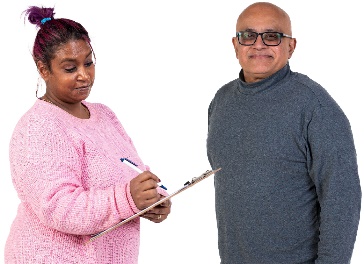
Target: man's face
(260, 61)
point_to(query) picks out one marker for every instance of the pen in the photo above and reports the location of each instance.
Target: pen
(134, 167)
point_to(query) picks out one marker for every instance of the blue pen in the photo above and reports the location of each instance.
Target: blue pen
(134, 167)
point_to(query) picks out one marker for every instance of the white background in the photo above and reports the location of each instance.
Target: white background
(159, 63)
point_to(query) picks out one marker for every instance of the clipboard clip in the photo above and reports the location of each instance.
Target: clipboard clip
(201, 177)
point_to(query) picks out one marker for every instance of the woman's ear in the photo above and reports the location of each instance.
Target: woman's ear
(43, 70)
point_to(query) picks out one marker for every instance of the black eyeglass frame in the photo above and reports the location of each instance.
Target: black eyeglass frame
(281, 35)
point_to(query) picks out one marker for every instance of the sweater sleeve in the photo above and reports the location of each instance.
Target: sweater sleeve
(47, 170)
(333, 168)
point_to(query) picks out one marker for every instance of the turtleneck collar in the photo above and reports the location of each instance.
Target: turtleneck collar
(257, 87)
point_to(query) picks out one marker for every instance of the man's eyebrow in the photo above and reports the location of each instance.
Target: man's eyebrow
(249, 29)
(265, 30)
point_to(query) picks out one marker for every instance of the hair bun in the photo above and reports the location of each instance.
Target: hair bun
(39, 15)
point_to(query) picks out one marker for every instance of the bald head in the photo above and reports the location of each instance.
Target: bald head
(255, 12)
(260, 60)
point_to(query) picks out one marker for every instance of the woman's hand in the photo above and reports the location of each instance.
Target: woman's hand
(160, 212)
(143, 189)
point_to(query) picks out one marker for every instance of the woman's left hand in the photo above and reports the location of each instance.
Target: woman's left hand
(159, 213)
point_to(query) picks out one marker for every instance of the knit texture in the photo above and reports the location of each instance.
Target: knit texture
(289, 190)
(71, 184)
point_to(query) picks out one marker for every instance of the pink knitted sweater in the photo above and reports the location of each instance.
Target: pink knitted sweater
(71, 184)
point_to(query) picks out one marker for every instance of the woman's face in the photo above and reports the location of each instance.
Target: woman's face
(72, 72)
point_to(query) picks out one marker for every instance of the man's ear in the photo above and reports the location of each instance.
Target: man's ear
(43, 70)
(292, 46)
(235, 44)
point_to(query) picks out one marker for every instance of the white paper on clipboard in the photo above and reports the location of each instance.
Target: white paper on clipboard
(185, 187)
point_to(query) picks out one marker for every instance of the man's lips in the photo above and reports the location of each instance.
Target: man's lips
(258, 56)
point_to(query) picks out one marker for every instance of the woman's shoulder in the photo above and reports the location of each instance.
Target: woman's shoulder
(41, 116)
(99, 108)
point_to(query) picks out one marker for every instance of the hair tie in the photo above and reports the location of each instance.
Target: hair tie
(45, 20)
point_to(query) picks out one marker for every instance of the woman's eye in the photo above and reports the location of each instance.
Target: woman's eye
(70, 69)
(88, 64)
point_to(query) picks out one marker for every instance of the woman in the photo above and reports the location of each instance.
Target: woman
(65, 162)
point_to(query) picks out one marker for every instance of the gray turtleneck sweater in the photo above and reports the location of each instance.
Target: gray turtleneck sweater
(288, 190)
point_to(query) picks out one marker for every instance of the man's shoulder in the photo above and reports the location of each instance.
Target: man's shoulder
(228, 87)
(230, 84)
(312, 89)
(305, 80)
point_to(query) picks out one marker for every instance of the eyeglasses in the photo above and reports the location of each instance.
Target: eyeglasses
(248, 38)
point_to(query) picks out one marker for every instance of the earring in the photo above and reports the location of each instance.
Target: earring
(39, 86)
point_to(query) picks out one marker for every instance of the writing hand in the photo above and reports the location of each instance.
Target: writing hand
(143, 189)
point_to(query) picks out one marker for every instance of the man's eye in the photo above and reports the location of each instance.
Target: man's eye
(248, 35)
(89, 64)
(272, 36)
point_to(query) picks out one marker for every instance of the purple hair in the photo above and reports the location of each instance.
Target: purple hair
(52, 33)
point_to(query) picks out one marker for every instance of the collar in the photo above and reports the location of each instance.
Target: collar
(269, 82)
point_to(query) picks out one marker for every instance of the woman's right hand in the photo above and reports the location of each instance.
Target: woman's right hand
(143, 189)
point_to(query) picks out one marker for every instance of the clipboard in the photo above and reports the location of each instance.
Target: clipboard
(187, 185)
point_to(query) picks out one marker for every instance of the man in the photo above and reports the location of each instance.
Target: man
(289, 189)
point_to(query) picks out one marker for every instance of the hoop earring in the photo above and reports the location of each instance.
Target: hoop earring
(39, 86)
